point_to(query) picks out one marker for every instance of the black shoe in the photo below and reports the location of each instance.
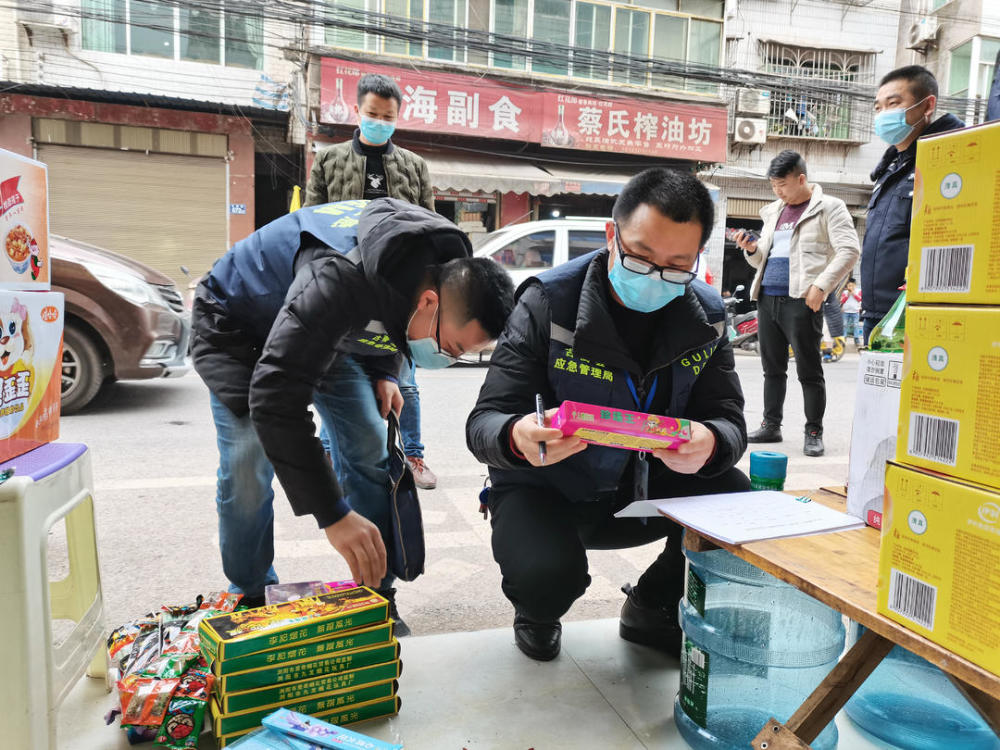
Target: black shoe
(814, 443)
(400, 629)
(768, 433)
(539, 640)
(252, 602)
(654, 626)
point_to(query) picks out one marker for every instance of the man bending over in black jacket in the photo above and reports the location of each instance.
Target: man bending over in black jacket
(382, 279)
(628, 327)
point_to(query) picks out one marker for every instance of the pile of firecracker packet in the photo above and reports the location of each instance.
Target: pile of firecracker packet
(287, 675)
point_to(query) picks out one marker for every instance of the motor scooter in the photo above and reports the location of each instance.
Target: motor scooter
(742, 327)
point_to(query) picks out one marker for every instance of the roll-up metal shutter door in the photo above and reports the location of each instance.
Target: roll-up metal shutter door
(160, 209)
(744, 208)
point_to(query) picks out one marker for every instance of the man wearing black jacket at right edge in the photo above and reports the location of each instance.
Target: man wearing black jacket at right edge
(626, 327)
(904, 111)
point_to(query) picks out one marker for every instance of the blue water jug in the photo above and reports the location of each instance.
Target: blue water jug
(909, 703)
(754, 648)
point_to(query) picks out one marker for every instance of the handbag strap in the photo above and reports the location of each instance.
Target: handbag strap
(394, 436)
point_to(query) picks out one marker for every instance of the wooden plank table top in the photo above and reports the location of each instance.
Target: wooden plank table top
(841, 570)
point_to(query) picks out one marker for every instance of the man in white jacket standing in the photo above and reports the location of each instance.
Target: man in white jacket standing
(807, 246)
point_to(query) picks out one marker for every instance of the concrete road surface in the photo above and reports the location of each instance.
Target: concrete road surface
(154, 455)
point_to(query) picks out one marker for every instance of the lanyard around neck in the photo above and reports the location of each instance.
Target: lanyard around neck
(635, 393)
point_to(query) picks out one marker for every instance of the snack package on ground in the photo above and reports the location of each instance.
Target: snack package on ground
(149, 701)
(620, 428)
(349, 640)
(223, 601)
(155, 652)
(273, 625)
(321, 733)
(171, 665)
(182, 724)
(196, 683)
(145, 649)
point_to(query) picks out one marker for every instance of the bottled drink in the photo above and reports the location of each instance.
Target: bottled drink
(887, 336)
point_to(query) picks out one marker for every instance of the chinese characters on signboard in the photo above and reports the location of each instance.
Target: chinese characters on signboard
(466, 105)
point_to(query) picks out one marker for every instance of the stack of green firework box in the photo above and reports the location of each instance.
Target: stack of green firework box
(332, 656)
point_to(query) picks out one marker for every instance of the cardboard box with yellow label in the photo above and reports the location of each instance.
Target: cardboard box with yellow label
(955, 234)
(949, 412)
(939, 563)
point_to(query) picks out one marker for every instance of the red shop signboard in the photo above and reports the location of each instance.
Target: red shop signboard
(468, 105)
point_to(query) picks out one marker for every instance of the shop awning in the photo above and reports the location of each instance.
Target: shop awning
(488, 174)
(589, 180)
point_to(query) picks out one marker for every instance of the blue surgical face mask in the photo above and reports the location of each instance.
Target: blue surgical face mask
(426, 352)
(375, 131)
(642, 293)
(891, 125)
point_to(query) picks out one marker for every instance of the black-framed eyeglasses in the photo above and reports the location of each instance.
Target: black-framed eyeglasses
(643, 267)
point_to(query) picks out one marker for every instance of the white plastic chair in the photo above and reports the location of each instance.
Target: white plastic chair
(50, 483)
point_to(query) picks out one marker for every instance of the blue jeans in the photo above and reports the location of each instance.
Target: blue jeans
(244, 501)
(851, 325)
(409, 418)
(349, 412)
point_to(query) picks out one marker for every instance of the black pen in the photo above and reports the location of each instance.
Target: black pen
(540, 416)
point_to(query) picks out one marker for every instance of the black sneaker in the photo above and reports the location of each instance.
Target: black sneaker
(252, 602)
(538, 640)
(653, 626)
(400, 629)
(768, 433)
(813, 444)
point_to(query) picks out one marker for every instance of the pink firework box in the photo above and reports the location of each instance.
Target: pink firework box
(620, 428)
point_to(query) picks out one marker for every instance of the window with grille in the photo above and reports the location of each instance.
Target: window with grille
(799, 110)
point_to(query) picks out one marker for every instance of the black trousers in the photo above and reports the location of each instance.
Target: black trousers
(540, 541)
(784, 322)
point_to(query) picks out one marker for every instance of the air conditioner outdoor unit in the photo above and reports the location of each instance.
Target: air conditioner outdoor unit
(753, 101)
(922, 33)
(43, 18)
(750, 130)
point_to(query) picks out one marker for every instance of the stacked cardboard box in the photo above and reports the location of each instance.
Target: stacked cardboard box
(939, 571)
(332, 656)
(31, 316)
